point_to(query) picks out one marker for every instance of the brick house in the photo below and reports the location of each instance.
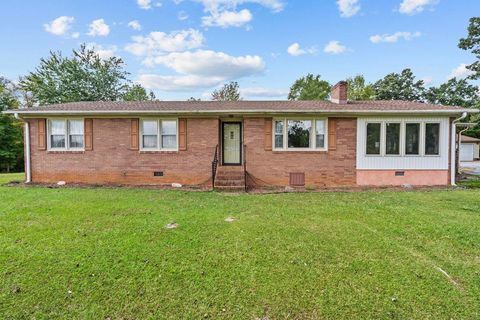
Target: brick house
(233, 144)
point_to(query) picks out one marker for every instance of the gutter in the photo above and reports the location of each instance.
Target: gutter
(245, 111)
(26, 137)
(456, 146)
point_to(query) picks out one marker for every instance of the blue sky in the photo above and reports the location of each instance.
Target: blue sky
(184, 48)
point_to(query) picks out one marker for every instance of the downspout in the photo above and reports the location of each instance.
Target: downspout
(453, 149)
(28, 171)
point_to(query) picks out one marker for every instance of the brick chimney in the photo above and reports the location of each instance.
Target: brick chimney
(339, 92)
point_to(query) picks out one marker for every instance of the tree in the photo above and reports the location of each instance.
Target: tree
(11, 142)
(82, 77)
(138, 93)
(309, 87)
(399, 86)
(454, 93)
(229, 92)
(194, 99)
(472, 43)
(358, 90)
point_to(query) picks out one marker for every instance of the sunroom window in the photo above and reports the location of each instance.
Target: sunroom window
(299, 134)
(432, 138)
(66, 134)
(158, 134)
(392, 136)
(412, 138)
(373, 138)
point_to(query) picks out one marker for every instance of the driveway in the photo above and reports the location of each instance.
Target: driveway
(472, 167)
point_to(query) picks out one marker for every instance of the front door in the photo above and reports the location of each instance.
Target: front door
(232, 143)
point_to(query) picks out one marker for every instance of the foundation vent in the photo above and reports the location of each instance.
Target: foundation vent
(158, 174)
(297, 179)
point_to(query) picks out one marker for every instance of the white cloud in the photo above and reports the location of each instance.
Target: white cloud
(104, 52)
(460, 72)
(334, 47)
(177, 83)
(182, 15)
(60, 26)
(135, 25)
(211, 63)
(144, 4)
(348, 8)
(200, 69)
(221, 5)
(224, 13)
(415, 6)
(227, 19)
(261, 92)
(391, 38)
(159, 42)
(295, 50)
(98, 28)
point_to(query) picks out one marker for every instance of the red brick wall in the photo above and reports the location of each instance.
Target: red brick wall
(112, 161)
(332, 168)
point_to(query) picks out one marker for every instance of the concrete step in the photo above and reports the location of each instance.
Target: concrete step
(230, 188)
(223, 183)
(221, 177)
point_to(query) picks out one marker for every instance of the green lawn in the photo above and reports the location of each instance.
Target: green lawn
(105, 254)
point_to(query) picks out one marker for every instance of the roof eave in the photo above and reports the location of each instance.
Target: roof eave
(26, 112)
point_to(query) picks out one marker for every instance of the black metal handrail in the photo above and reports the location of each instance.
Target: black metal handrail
(214, 166)
(245, 166)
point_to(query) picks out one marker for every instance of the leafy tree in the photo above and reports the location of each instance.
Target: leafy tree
(138, 93)
(359, 90)
(472, 43)
(11, 142)
(82, 77)
(399, 86)
(229, 92)
(309, 87)
(454, 92)
(194, 99)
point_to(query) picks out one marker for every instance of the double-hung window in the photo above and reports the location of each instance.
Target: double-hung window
(374, 133)
(66, 134)
(392, 138)
(299, 134)
(159, 134)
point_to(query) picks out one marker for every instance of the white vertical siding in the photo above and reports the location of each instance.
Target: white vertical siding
(393, 162)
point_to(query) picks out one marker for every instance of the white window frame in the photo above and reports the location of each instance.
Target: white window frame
(383, 138)
(313, 134)
(401, 138)
(159, 134)
(425, 138)
(420, 137)
(66, 134)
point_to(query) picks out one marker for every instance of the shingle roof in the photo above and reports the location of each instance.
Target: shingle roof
(109, 107)
(469, 139)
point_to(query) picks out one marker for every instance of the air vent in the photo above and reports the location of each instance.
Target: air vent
(399, 173)
(297, 179)
(158, 174)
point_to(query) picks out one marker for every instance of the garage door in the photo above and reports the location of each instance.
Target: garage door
(466, 152)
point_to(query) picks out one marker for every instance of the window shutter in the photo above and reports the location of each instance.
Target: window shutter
(268, 134)
(332, 134)
(88, 134)
(182, 132)
(42, 134)
(134, 134)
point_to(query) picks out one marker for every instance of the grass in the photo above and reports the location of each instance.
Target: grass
(105, 253)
